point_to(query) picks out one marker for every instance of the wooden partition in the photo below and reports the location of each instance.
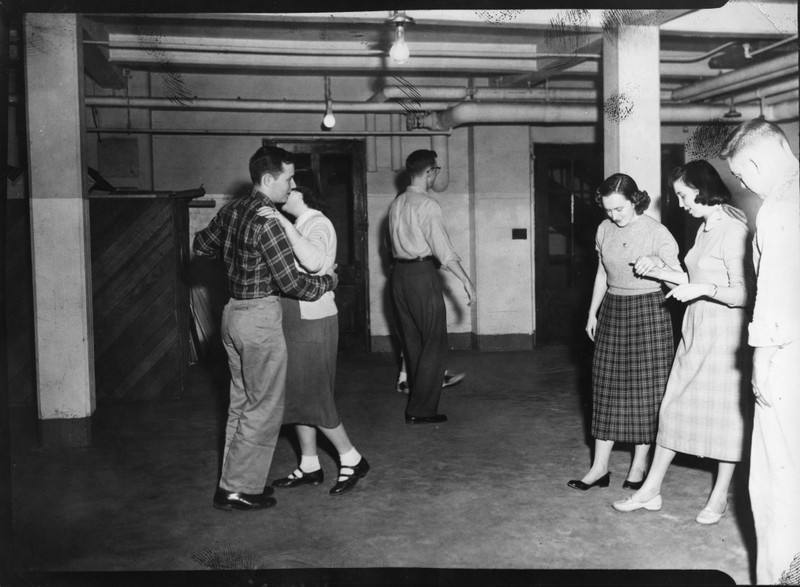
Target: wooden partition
(140, 252)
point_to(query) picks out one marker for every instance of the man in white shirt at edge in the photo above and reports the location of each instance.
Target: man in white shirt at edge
(759, 155)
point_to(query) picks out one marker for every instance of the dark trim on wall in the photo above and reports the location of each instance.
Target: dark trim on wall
(55, 433)
(465, 341)
(505, 342)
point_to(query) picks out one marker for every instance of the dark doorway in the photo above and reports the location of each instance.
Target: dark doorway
(336, 168)
(682, 226)
(566, 219)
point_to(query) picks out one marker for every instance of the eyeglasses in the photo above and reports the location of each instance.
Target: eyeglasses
(435, 169)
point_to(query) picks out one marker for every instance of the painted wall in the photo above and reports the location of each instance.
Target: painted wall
(489, 192)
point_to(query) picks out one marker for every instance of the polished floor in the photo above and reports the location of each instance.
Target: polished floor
(486, 490)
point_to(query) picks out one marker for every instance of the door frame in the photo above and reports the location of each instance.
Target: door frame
(357, 149)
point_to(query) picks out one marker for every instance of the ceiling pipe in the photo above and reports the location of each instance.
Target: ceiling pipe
(766, 91)
(213, 132)
(784, 111)
(237, 105)
(440, 144)
(410, 94)
(566, 114)
(744, 77)
(328, 63)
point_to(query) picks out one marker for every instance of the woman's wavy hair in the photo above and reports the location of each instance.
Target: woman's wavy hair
(702, 176)
(622, 184)
(312, 198)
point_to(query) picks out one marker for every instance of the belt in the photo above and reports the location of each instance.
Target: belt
(417, 260)
(265, 296)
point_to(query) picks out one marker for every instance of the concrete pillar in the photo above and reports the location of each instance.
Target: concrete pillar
(631, 93)
(59, 228)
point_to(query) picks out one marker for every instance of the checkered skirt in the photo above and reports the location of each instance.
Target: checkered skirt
(632, 358)
(704, 407)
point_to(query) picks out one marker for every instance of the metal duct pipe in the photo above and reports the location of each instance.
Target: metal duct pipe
(327, 63)
(439, 143)
(779, 88)
(746, 76)
(236, 105)
(500, 113)
(410, 95)
(784, 111)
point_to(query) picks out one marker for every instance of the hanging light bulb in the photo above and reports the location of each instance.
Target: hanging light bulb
(329, 120)
(399, 52)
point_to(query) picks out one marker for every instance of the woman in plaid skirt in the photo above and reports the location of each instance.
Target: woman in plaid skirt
(631, 329)
(702, 411)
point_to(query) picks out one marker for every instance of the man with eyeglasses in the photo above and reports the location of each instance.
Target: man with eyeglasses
(420, 244)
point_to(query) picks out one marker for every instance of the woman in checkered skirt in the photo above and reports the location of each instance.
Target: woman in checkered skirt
(702, 412)
(631, 328)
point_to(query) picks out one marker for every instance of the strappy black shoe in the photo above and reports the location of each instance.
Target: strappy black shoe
(352, 475)
(299, 477)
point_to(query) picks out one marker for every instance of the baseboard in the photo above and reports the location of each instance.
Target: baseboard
(504, 342)
(65, 433)
(464, 341)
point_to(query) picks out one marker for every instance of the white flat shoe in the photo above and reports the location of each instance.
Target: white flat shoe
(629, 505)
(707, 517)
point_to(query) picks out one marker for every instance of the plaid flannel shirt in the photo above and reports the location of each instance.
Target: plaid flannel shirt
(257, 255)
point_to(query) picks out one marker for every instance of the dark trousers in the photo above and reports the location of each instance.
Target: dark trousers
(422, 322)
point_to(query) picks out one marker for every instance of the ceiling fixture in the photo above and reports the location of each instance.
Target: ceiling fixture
(399, 51)
(733, 112)
(328, 121)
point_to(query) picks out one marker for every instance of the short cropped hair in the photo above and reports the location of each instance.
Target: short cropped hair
(312, 199)
(750, 133)
(269, 159)
(419, 161)
(702, 176)
(619, 183)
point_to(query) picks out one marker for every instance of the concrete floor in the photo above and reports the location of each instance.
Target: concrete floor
(486, 490)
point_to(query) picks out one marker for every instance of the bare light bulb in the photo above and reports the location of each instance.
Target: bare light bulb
(399, 51)
(329, 121)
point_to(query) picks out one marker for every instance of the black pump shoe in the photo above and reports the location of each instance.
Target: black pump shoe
(358, 471)
(300, 477)
(633, 484)
(601, 482)
(228, 500)
(437, 419)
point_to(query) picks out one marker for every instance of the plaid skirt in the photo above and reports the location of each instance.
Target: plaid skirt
(632, 358)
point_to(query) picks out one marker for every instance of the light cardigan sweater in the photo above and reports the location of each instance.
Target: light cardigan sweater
(316, 254)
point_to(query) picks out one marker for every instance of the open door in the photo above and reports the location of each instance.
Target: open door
(336, 168)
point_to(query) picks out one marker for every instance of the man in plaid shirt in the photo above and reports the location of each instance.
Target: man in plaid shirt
(260, 267)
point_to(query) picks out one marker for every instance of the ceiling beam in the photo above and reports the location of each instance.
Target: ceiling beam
(95, 57)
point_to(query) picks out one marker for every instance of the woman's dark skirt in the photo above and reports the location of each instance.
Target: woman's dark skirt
(632, 358)
(311, 346)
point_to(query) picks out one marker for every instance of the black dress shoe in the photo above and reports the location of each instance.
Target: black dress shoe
(358, 471)
(437, 419)
(300, 477)
(601, 482)
(228, 500)
(633, 484)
